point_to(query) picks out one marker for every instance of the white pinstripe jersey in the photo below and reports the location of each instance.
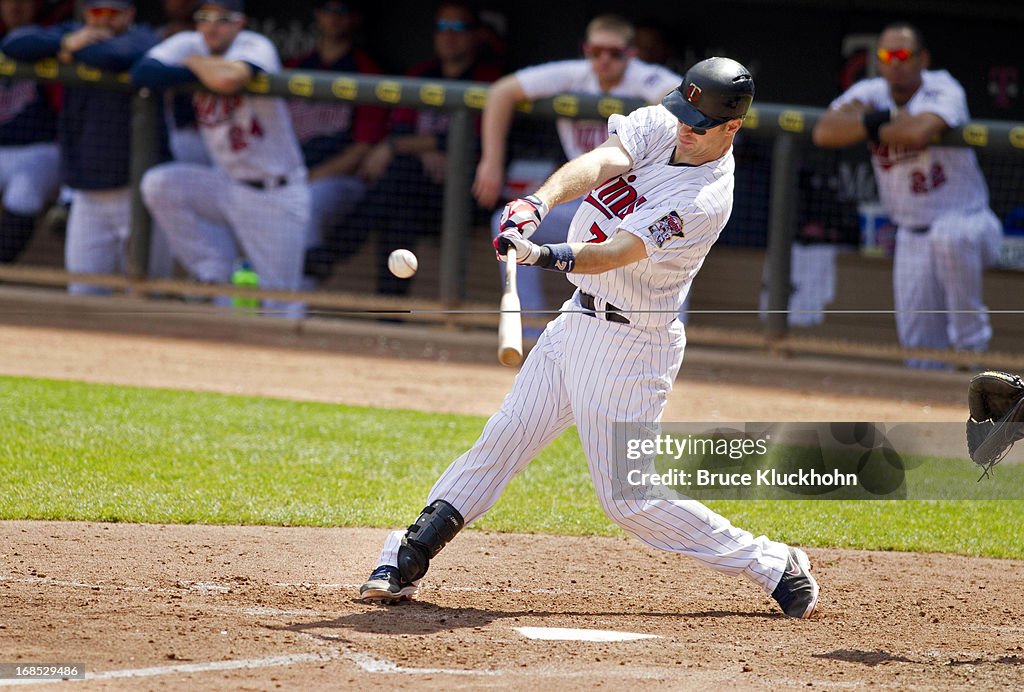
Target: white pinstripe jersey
(916, 186)
(640, 80)
(677, 210)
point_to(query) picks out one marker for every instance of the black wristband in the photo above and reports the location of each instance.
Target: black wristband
(873, 120)
(557, 257)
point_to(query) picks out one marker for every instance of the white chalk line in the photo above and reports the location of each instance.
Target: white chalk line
(187, 668)
(366, 662)
(431, 587)
(207, 588)
(199, 587)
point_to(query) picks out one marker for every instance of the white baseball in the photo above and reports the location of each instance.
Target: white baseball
(402, 263)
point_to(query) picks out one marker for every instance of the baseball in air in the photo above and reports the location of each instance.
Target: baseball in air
(402, 263)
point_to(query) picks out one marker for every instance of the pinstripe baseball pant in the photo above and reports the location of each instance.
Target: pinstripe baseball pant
(595, 373)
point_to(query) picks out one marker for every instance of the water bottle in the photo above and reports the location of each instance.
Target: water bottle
(245, 277)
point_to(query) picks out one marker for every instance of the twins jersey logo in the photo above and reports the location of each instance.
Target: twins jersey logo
(616, 198)
(693, 93)
(889, 155)
(588, 135)
(667, 227)
(316, 119)
(212, 110)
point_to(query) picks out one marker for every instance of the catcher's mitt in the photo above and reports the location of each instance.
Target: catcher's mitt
(996, 403)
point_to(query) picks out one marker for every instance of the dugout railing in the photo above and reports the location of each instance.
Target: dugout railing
(786, 127)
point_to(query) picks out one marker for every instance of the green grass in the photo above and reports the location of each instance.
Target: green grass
(77, 451)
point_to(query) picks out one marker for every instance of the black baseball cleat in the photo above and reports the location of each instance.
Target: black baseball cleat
(385, 585)
(797, 592)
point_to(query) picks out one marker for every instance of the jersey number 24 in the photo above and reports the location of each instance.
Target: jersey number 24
(239, 136)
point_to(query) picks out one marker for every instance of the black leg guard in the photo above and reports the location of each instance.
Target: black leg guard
(15, 232)
(434, 528)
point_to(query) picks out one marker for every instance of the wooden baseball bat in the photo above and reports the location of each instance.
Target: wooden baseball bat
(510, 324)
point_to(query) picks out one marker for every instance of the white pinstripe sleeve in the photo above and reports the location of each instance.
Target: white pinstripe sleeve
(637, 132)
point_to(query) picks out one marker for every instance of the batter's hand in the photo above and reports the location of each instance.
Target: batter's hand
(524, 215)
(526, 252)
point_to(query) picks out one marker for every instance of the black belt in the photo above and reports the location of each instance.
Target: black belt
(918, 229)
(266, 184)
(612, 313)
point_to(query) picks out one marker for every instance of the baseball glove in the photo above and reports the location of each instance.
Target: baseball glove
(996, 403)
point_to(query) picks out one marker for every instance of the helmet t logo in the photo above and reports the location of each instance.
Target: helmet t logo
(693, 93)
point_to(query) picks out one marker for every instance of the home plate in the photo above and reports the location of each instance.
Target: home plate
(568, 634)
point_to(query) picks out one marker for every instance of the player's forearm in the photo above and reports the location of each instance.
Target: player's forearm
(837, 129)
(914, 131)
(588, 258)
(582, 174)
(597, 258)
(410, 145)
(346, 162)
(497, 118)
(220, 75)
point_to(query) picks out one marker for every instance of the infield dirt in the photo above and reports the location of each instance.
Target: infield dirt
(167, 603)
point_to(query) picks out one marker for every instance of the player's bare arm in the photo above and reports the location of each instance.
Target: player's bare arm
(584, 173)
(914, 131)
(345, 162)
(619, 250)
(579, 258)
(842, 126)
(497, 120)
(378, 158)
(220, 75)
(521, 217)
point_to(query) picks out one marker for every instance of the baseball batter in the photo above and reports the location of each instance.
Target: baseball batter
(255, 200)
(937, 196)
(610, 68)
(29, 158)
(656, 194)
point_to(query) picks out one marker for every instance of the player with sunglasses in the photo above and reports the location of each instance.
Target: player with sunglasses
(254, 201)
(92, 131)
(937, 195)
(609, 67)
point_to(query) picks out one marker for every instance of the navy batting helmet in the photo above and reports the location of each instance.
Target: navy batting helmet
(714, 91)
